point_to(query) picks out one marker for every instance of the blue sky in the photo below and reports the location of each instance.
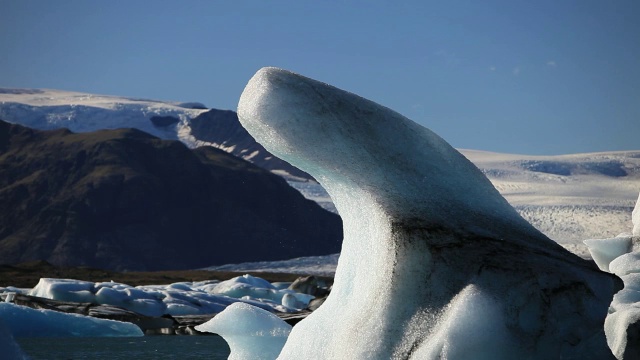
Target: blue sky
(528, 77)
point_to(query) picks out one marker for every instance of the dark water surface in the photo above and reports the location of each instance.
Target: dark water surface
(146, 347)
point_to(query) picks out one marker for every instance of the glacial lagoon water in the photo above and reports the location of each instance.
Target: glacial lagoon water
(139, 348)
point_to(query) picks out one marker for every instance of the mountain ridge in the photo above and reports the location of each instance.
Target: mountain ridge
(191, 123)
(123, 199)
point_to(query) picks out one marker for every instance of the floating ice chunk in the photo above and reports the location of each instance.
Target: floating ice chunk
(292, 302)
(13, 289)
(281, 285)
(180, 286)
(112, 296)
(147, 307)
(625, 264)
(251, 332)
(603, 251)
(184, 298)
(135, 293)
(247, 287)
(247, 279)
(27, 322)
(421, 223)
(177, 309)
(64, 290)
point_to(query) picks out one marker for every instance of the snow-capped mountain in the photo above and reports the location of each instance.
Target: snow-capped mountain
(191, 123)
(81, 112)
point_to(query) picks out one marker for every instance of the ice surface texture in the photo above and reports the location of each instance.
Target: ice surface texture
(435, 263)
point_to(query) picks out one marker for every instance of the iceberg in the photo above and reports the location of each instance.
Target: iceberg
(251, 332)
(429, 245)
(23, 321)
(621, 257)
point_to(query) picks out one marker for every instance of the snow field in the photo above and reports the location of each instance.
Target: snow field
(80, 112)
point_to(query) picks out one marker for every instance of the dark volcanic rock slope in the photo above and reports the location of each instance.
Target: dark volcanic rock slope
(123, 199)
(222, 129)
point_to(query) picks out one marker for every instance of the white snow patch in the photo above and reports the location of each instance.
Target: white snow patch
(51, 109)
(252, 155)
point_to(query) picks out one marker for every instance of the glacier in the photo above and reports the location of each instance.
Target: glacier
(435, 263)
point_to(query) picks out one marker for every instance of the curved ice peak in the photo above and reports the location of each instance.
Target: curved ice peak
(429, 244)
(347, 141)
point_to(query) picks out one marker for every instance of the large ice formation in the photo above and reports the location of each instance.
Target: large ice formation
(23, 321)
(251, 332)
(621, 256)
(435, 263)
